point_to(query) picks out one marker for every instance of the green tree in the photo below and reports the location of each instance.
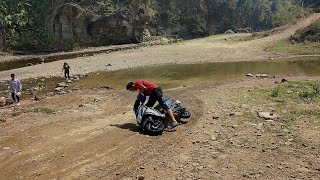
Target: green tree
(286, 12)
(22, 17)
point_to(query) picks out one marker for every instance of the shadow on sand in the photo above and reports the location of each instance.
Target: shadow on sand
(130, 126)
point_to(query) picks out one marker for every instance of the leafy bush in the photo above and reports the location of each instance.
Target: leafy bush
(311, 33)
(37, 43)
(275, 92)
(316, 88)
(312, 94)
(286, 13)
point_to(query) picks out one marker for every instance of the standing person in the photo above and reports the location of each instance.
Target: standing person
(15, 89)
(66, 68)
(154, 92)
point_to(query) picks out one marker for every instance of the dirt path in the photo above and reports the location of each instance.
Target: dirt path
(92, 134)
(210, 49)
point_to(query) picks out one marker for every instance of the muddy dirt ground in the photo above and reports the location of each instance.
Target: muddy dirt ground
(92, 134)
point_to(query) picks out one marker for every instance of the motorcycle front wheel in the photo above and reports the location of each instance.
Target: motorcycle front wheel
(153, 126)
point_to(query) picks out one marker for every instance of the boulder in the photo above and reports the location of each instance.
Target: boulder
(62, 84)
(249, 75)
(37, 98)
(146, 35)
(262, 75)
(59, 89)
(244, 30)
(284, 80)
(62, 92)
(267, 115)
(97, 100)
(2, 101)
(9, 101)
(229, 32)
(164, 40)
(69, 81)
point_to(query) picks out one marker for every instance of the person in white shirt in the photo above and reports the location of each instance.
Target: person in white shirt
(15, 89)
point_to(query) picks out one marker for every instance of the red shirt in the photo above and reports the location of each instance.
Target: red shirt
(140, 84)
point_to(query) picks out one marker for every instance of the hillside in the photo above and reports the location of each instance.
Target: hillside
(307, 34)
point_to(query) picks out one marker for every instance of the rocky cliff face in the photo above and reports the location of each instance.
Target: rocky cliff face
(114, 21)
(90, 22)
(184, 19)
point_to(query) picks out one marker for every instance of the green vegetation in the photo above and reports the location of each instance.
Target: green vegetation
(290, 96)
(286, 47)
(260, 15)
(243, 38)
(315, 4)
(312, 93)
(309, 34)
(15, 113)
(275, 92)
(286, 12)
(304, 41)
(23, 23)
(291, 101)
(296, 91)
(297, 123)
(268, 32)
(262, 34)
(44, 110)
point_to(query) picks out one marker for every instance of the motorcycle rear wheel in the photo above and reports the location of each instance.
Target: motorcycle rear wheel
(186, 114)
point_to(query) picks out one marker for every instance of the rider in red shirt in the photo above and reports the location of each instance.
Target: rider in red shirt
(147, 88)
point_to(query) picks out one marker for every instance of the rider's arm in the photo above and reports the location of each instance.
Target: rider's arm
(140, 99)
(136, 105)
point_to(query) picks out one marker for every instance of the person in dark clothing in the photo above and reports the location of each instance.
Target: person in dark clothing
(155, 94)
(66, 69)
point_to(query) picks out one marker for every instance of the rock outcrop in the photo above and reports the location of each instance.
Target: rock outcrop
(91, 22)
(126, 21)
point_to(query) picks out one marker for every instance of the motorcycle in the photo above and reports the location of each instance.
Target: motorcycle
(152, 120)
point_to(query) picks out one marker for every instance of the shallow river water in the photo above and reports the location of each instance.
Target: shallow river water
(177, 75)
